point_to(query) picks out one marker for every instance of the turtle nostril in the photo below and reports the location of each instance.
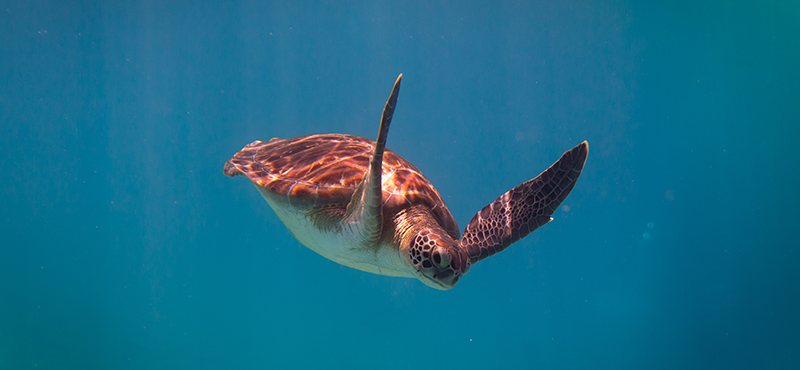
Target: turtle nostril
(437, 258)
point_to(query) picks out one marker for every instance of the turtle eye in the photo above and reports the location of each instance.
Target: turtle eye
(441, 258)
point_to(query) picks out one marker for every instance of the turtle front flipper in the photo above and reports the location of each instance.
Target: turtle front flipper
(524, 208)
(366, 205)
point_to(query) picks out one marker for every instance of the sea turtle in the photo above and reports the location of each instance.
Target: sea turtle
(363, 206)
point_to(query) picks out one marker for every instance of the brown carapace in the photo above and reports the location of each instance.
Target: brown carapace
(359, 204)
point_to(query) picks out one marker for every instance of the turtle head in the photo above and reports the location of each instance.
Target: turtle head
(437, 258)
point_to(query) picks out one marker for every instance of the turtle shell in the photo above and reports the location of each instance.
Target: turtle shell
(319, 170)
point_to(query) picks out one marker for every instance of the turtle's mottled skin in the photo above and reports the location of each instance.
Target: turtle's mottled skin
(361, 205)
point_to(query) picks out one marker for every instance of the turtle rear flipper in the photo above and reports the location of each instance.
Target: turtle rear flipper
(524, 208)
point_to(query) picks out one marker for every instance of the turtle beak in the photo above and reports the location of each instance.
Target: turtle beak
(448, 278)
(438, 283)
(450, 281)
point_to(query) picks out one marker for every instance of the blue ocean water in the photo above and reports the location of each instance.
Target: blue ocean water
(123, 246)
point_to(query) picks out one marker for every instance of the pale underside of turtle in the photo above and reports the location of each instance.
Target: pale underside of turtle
(363, 206)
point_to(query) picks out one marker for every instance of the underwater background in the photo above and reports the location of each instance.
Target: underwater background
(123, 246)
